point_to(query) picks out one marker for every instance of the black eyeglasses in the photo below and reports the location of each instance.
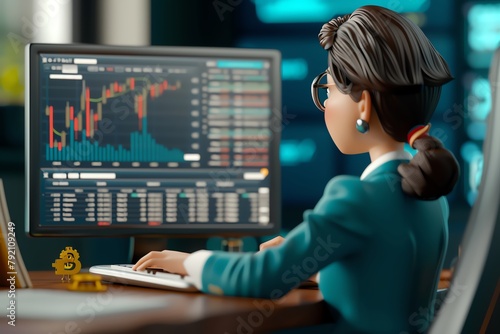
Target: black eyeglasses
(319, 90)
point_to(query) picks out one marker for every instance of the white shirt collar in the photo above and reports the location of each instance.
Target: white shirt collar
(394, 155)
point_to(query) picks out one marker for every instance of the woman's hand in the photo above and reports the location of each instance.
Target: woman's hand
(170, 261)
(271, 243)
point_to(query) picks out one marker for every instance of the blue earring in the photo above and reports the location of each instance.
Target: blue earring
(362, 126)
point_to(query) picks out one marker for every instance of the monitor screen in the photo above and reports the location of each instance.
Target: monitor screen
(152, 140)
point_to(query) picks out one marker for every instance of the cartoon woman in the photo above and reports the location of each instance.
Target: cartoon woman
(377, 241)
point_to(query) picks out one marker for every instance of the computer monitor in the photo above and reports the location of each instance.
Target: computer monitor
(157, 141)
(471, 304)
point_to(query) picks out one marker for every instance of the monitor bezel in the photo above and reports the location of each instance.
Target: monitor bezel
(33, 119)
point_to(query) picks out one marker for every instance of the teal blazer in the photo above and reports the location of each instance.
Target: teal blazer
(379, 253)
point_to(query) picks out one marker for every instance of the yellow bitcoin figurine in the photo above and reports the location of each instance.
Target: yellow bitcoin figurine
(67, 264)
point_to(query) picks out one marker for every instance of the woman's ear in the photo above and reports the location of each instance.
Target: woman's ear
(365, 106)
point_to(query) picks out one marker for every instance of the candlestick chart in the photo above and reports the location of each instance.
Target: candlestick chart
(123, 120)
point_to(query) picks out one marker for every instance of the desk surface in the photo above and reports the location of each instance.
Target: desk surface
(186, 313)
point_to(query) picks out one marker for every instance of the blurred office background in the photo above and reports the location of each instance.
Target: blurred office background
(464, 32)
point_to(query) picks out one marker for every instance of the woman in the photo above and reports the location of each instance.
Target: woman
(377, 241)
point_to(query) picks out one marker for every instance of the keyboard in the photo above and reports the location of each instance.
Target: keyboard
(151, 277)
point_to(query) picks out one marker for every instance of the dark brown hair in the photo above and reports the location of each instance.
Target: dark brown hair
(378, 50)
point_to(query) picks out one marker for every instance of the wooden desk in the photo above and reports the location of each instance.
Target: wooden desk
(186, 313)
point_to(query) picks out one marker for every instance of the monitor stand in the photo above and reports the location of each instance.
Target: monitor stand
(232, 244)
(140, 246)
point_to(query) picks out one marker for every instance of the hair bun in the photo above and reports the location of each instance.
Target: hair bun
(433, 171)
(327, 33)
